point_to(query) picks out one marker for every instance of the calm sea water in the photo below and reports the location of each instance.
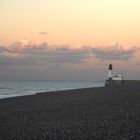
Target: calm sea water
(19, 88)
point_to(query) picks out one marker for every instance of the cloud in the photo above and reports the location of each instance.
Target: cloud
(3, 50)
(38, 60)
(38, 53)
(114, 52)
(25, 47)
(43, 33)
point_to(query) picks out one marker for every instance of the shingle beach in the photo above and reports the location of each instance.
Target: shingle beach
(103, 113)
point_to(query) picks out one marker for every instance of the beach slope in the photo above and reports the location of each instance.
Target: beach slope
(104, 113)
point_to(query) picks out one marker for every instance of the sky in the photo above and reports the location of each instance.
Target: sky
(69, 39)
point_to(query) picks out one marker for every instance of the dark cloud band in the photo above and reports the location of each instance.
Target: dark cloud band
(42, 53)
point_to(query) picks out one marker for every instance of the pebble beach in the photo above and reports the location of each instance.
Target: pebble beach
(103, 113)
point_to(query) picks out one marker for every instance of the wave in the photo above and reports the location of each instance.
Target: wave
(6, 88)
(3, 96)
(19, 88)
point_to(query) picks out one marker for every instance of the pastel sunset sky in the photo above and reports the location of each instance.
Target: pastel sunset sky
(69, 39)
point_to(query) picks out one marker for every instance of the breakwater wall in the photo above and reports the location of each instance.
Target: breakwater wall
(121, 82)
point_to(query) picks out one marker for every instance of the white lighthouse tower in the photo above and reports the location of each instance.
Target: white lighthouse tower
(110, 72)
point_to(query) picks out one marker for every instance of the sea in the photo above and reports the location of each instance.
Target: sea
(19, 88)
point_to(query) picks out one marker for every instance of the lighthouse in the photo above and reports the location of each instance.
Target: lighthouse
(110, 72)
